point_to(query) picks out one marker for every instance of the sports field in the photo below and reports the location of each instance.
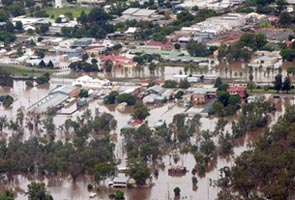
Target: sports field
(76, 11)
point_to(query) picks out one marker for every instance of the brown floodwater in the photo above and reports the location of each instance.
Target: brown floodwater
(63, 188)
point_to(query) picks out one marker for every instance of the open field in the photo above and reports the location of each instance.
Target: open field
(269, 91)
(76, 11)
(23, 72)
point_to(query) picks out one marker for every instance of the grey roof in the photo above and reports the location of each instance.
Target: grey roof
(51, 101)
(63, 89)
(156, 88)
(121, 179)
(130, 11)
(203, 90)
(267, 58)
(144, 13)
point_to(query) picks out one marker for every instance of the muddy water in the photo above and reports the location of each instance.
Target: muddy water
(236, 71)
(63, 188)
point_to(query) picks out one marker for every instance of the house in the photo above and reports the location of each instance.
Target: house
(202, 95)
(240, 90)
(119, 61)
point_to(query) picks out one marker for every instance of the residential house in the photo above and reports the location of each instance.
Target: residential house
(240, 90)
(119, 61)
(202, 95)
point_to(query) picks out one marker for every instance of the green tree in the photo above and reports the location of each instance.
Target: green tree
(19, 26)
(6, 195)
(140, 111)
(285, 19)
(7, 101)
(108, 65)
(50, 64)
(42, 64)
(196, 49)
(287, 84)
(291, 70)
(85, 57)
(170, 84)
(278, 82)
(128, 98)
(37, 191)
(184, 84)
(103, 170)
(83, 93)
(111, 98)
(177, 191)
(138, 170)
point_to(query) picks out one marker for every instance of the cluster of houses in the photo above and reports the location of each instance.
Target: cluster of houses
(64, 96)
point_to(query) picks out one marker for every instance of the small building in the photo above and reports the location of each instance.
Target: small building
(120, 181)
(89, 82)
(83, 42)
(156, 89)
(240, 90)
(82, 102)
(177, 171)
(202, 95)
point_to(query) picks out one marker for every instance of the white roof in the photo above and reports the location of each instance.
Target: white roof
(131, 30)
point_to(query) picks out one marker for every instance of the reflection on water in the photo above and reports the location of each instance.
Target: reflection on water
(63, 188)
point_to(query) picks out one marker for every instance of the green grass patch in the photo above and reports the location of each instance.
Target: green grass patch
(24, 72)
(76, 11)
(269, 91)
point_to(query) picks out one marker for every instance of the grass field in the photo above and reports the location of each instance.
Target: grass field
(23, 72)
(76, 11)
(270, 91)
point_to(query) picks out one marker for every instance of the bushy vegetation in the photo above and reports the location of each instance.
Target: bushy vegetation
(225, 104)
(267, 170)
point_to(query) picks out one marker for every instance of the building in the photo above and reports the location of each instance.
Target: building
(202, 95)
(89, 82)
(119, 61)
(266, 59)
(120, 181)
(55, 99)
(139, 15)
(158, 46)
(58, 4)
(83, 42)
(240, 90)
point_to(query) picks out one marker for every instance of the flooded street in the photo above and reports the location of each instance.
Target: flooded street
(63, 188)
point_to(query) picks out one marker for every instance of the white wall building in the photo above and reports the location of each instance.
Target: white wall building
(88, 82)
